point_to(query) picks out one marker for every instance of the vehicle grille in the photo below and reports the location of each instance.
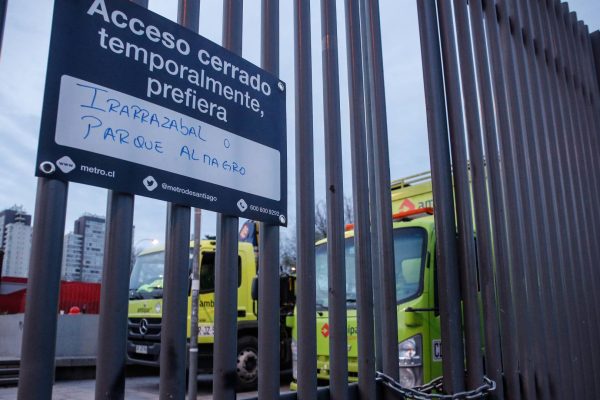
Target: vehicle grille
(136, 331)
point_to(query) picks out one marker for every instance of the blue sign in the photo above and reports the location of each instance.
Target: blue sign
(138, 104)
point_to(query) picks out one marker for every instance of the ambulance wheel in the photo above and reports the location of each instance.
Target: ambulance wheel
(247, 363)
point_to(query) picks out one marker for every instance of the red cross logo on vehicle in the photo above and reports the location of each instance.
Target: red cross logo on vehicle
(325, 330)
(406, 205)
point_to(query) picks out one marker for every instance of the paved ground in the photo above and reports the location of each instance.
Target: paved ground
(138, 388)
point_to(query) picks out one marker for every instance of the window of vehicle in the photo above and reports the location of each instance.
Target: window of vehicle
(410, 249)
(207, 272)
(146, 281)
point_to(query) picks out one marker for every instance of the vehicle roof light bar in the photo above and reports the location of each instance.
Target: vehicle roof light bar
(408, 215)
(412, 214)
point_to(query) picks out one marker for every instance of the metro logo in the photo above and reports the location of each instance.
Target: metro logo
(406, 205)
(325, 330)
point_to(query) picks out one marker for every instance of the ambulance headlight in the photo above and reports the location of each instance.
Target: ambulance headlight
(408, 378)
(410, 360)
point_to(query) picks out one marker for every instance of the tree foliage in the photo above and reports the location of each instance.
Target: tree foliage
(321, 217)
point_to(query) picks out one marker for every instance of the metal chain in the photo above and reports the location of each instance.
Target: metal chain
(424, 392)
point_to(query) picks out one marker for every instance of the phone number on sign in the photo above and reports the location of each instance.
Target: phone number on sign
(264, 210)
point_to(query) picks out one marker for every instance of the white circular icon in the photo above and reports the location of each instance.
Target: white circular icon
(47, 167)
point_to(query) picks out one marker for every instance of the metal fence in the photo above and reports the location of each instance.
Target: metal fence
(513, 114)
(514, 87)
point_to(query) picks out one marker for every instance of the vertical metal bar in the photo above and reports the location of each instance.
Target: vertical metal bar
(591, 171)
(381, 159)
(595, 39)
(110, 364)
(305, 206)
(581, 230)
(534, 257)
(225, 351)
(503, 321)
(500, 155)
(3, 7)
(481, 204)
(268, 298)
(593, 71)
(564, 274)
(466, 244)
(338, 339)
(589, 298)
(176, 276)
(114, 297)
(188, 14)
(593, 118)
(584, 185)
(226, 275)
(445, 228)
(175, 293)
(37, 351)
(594, 121)
(375, 229)
(575, 228)
(193, 352)
(360, 189)
(516, 176)
(554, 287)
(268, 313)
(593, 86)
(536, 177)
(550, 290)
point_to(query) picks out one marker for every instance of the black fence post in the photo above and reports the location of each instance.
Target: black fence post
(43, 284)
(481, 205)
(591, 167)
(112, 331)
(584, 184)
(360, 194)
(445, 228)
(3, 7)
(538, 47)
(381, 186)
(517, 178)
(507, 249)
(338, 339)
(460, 173)
(269, 284)
(175, 294)
(595, 37)
(305, 206)
(173, 355)
(112, 326)
(534, 180)
(226, 274)
(567, 222)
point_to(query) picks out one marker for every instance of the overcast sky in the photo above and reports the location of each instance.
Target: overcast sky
(23, 68)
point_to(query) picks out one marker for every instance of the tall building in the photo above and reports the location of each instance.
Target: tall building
(17, 239)
(10, 215)
(83, 250)
(15, 229)
(71, 263)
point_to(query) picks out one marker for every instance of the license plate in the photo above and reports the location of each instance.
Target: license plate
(206, 330)
(141, 349)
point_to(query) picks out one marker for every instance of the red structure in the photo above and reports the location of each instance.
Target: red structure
(85, 296)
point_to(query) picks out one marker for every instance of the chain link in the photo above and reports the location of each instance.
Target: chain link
(424, 392)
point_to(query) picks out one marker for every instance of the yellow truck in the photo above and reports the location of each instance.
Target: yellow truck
(145, 308)
(419, 341)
